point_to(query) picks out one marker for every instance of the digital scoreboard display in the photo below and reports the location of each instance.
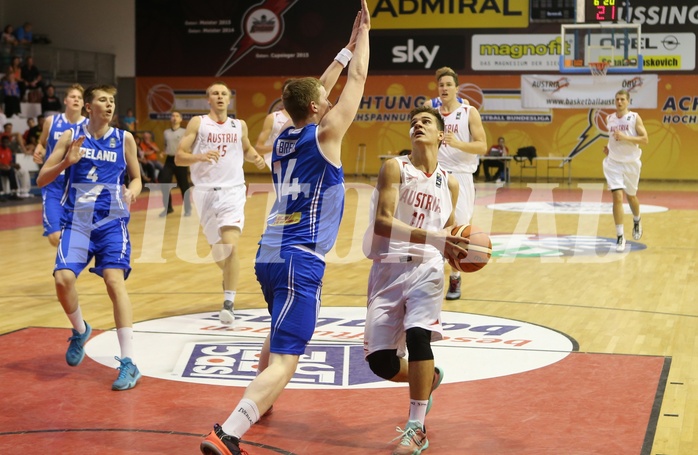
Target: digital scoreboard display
(601, 10)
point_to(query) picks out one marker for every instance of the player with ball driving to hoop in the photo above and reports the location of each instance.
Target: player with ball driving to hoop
(414, 202)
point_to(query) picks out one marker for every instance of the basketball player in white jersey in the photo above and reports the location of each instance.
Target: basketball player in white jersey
(272, 127)
(215, 146)
(622, 165)
(415, 200)
(464, 141)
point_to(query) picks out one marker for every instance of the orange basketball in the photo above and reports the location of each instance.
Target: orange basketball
(479, 249)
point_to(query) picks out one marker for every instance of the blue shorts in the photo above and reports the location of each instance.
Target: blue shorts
(53, 211)
(291, 280)
(105, 240)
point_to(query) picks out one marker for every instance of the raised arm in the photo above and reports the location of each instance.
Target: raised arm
(337, 121)
(331, 74)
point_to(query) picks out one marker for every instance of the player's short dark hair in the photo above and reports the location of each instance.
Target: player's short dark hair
(429, 110)
(298, 94)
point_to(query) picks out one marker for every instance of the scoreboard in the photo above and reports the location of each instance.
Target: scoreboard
(560, 11)
(601, 10)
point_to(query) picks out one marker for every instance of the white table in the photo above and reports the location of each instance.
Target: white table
(506, 159)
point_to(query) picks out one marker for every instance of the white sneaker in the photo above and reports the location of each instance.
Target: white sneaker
(227, 314)
(620, 244)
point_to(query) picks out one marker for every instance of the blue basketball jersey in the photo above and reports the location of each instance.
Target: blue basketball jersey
(437, 103)
(59, 125)
(94, 182)
(309, 193)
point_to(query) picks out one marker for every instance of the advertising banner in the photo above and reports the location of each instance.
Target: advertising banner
(574, 92)
(382, 122)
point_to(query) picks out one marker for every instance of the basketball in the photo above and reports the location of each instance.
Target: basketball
(161, 98)
(479, 249)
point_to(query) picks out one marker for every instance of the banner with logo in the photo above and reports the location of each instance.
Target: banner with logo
(382, 123)
(574, 92)
(541, 52)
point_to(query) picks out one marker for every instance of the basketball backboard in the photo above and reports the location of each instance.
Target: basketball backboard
(617, 45)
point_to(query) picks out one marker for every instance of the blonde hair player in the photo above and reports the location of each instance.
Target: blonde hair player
(622, 164)
(464, 140)
(54, 126)
(214, 146)
(300, 230)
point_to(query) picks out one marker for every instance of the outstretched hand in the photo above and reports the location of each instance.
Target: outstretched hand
(75, 151)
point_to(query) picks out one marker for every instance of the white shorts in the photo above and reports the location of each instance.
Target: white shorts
(220, 207)
(466, 198)
(402, 296)
(622, 175)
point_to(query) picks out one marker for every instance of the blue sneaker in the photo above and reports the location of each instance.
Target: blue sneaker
(128, 375)
(438, 377)
(76, 348)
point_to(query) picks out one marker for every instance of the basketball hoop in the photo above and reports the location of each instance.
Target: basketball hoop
(598, 69)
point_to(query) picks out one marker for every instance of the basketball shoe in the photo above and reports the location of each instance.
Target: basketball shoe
(76, 348)
(637, 230)
(227, 314)
(217, 442)
(620, 244)
(438, 377)
(413, 439)
(128, 375)
(453, 289)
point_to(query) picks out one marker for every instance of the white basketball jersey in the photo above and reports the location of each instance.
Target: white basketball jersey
(280, 119)
(451, 158)
(622, 151)
(225, 137)
(424, 201)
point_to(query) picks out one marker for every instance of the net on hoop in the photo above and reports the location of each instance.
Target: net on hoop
(598, 69)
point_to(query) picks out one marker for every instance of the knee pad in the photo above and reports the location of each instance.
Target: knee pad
(384, 364)
(419, 344)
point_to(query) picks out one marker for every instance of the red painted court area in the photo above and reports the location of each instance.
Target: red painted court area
(585, 404)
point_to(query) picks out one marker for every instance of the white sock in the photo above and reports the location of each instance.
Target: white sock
(229, 295)
(636, 218)
(619, 229)
(418, 410)
(245, 415)
(125, 335)
(455, 275)
(77, 321)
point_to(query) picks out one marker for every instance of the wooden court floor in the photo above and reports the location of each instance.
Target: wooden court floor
(638, 304)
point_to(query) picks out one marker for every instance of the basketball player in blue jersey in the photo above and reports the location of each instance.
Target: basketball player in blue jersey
(95, 158)
(214, 146)
(406, 240)
(464, 140)
(54, 126)
(301, 228)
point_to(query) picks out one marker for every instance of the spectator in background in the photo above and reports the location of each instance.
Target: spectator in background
(3, 117)
(7, 168)
(36, 130)
(147, 169)
(11, 95)
(128, 122)
(8, 35)
(31, 123)
(151, 151)
(50, 104)
(24, 33)
(31, 76)
(497, 150)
